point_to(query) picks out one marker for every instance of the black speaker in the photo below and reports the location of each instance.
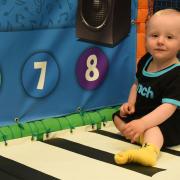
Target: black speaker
(103, 21)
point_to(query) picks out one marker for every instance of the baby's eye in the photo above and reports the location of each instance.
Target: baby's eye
(154, 35)
(170, 37)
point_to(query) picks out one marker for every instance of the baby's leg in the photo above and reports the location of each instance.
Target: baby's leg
(146, 155)
(154, 136)
(119, 123)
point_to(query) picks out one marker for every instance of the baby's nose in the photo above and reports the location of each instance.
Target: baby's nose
(160, 40)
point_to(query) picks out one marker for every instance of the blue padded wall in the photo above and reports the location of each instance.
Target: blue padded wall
(44, 67)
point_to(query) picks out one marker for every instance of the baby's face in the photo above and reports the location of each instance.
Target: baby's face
(163, 36)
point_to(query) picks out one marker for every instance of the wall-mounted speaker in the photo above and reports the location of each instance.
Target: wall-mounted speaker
(103, 21)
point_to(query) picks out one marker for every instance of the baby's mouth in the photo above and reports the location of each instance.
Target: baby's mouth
(161, 50)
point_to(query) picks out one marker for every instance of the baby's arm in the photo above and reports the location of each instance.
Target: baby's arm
(159, 115)
(129, 107)
(136, 127)
(133, 94)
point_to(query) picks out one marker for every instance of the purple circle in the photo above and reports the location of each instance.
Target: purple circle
(91, 68)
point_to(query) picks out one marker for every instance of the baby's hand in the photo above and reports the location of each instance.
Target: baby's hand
(133, 130)
(126, 109)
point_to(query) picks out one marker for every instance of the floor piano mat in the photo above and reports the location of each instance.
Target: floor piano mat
(84, 154)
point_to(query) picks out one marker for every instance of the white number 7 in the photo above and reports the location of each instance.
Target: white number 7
(42, 66)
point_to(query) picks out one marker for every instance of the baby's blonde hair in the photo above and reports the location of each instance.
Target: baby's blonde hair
(164, 12)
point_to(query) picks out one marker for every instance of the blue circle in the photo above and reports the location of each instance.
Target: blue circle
(40, 75)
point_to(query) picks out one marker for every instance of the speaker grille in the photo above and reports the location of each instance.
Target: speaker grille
(94, 13)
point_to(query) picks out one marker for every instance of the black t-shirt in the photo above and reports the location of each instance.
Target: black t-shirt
(157, 87)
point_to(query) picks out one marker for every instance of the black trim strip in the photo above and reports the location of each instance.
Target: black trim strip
(100, 155)
(171, 151)
(5, 176)
(17, 171)
(111, 135)
(119, 137)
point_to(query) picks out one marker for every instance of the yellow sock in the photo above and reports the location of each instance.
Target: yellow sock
(146, 155)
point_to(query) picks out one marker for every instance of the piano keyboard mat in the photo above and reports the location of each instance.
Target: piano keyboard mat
(82, 156)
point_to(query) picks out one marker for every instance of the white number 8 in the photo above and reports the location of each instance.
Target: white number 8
(91, 64)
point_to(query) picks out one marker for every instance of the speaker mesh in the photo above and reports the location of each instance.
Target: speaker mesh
(95, 12)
